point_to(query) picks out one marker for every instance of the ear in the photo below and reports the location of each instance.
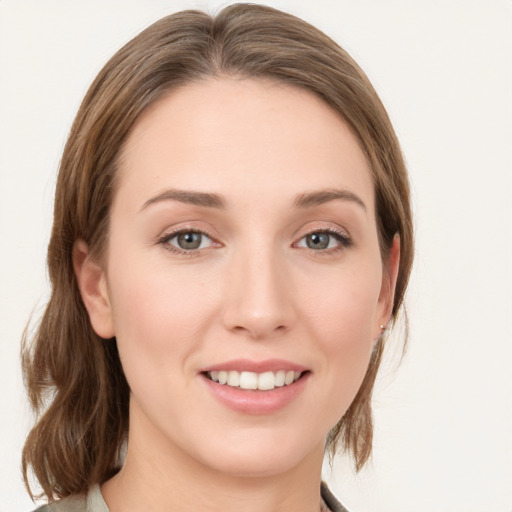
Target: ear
(387, 291)
(93, 289)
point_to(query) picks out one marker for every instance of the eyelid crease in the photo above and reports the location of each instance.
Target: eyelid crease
(184, 227)
(322, 227)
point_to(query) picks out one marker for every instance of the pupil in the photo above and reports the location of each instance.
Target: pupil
(318, 241)
(189, 240)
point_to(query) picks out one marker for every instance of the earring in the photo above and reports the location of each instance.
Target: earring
(382, 327)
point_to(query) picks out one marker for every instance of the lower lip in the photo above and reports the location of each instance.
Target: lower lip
(250, 401)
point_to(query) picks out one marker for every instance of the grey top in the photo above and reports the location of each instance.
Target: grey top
(94, 502)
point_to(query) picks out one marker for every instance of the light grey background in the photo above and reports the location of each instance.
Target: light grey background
(444, 71)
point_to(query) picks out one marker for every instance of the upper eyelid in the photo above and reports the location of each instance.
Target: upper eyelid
(173, 234)
(340, 235)
(326, 230)
(170, 233)
(301, 233)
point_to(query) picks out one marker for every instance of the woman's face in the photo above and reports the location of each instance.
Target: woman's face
(243, 246)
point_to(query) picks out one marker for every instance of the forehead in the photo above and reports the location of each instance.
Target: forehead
(242, 137)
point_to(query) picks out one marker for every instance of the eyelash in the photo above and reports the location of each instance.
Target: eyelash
(344, 241)
(164, 241)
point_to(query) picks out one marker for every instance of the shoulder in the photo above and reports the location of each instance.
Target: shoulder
(69, 504)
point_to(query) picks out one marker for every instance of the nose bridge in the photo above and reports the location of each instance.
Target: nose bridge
(259, 302)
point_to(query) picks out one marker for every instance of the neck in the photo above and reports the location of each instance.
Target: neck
(160, 476)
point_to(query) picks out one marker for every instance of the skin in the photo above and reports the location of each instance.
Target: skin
(253, 290)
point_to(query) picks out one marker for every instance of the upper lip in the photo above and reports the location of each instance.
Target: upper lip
(248, 365)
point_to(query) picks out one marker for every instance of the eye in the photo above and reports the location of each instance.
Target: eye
(324, 240)
(186, 241)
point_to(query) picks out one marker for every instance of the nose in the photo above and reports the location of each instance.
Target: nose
(259, 298)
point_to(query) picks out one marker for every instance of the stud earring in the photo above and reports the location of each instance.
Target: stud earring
(382, 327)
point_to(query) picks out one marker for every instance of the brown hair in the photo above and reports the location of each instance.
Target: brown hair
(74, 378)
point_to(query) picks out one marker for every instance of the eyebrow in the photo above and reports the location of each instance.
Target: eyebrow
(316, 198)
(209, 200)
(189, 197)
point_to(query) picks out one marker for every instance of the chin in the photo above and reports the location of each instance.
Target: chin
(264, 455)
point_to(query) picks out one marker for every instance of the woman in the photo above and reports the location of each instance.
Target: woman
(232, 237)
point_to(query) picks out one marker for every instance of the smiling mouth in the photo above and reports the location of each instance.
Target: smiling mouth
(265, 381)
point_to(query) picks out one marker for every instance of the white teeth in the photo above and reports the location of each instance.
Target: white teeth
(266, 381)
(250, 380)
(280, 376)
(233, 379)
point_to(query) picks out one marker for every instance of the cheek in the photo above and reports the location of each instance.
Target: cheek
(158, 315)
(342, 306)
(341, 316)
